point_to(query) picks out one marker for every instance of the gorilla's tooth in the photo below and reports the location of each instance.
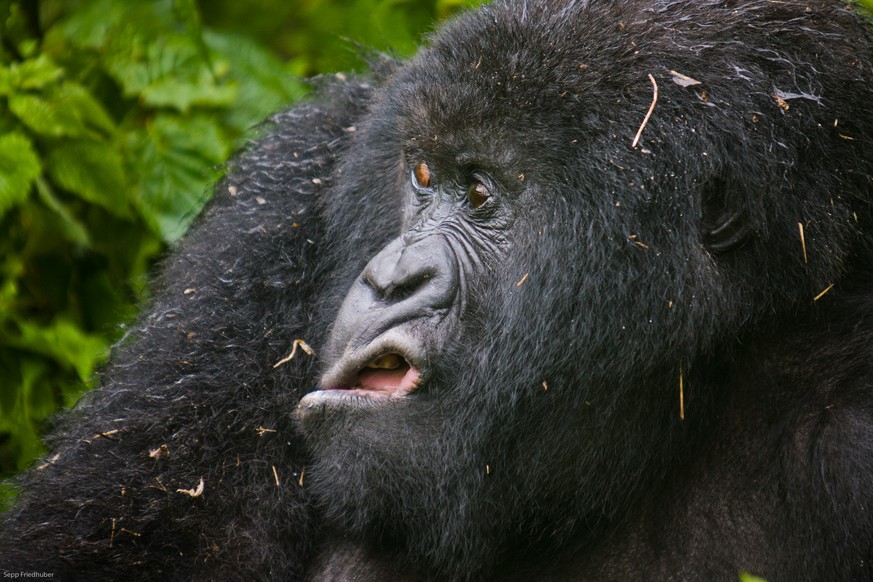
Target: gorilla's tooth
(386, 362)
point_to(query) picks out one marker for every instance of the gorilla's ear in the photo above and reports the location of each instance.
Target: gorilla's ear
(724, 221)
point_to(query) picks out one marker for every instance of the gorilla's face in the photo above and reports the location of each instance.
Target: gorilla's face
(411, 299)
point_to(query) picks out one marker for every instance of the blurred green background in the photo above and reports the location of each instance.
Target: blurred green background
(115, 119)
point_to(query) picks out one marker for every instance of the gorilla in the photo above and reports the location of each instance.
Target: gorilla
(582, 291)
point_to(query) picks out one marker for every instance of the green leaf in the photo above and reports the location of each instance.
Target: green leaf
(82, 104)
(19, 167)
(38, 401)
(12, 267)
(67, 110)
(5, 81)
(45, 117)
(264, 83)
(35, 73)
(170, 71)
(177, 166)
(182, 94)
(126, 60)
(90, 22)
(92, 170)
(64, 222)
(21, 371)
(64, 342)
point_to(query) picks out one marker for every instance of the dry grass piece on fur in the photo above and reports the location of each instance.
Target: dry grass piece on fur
(649, 112)
(297, 343)
(105, 435)
(194, 492)
(820, 295)
(802, 242)
(635, 239)
(681, 394)
(684, 80)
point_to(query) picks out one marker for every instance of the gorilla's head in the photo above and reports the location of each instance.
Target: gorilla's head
(526, 291)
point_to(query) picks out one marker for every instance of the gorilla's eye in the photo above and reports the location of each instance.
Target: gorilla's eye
(421, 173)
(477, 194)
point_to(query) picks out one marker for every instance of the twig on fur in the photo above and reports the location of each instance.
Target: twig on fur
(303, 346)
(194, 492)
(802, 241)
(649, 113)
(820, 295)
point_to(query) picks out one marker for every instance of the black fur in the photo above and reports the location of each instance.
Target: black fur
(546, 439)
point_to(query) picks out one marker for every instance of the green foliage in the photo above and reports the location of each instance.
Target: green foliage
(746, 577)
(115, 118)
(324, 35)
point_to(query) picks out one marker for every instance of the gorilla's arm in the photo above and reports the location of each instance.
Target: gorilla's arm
(192, 424)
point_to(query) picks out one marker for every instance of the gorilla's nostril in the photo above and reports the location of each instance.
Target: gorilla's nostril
(394, 290)
(408, 286)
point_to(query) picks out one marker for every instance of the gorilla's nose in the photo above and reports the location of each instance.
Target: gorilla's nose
(422, 273)
(406, 281)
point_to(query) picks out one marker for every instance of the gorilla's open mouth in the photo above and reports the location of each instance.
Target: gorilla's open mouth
(386, 375)
(365, 378)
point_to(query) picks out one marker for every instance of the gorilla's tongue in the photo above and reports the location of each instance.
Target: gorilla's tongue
(389, 374)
